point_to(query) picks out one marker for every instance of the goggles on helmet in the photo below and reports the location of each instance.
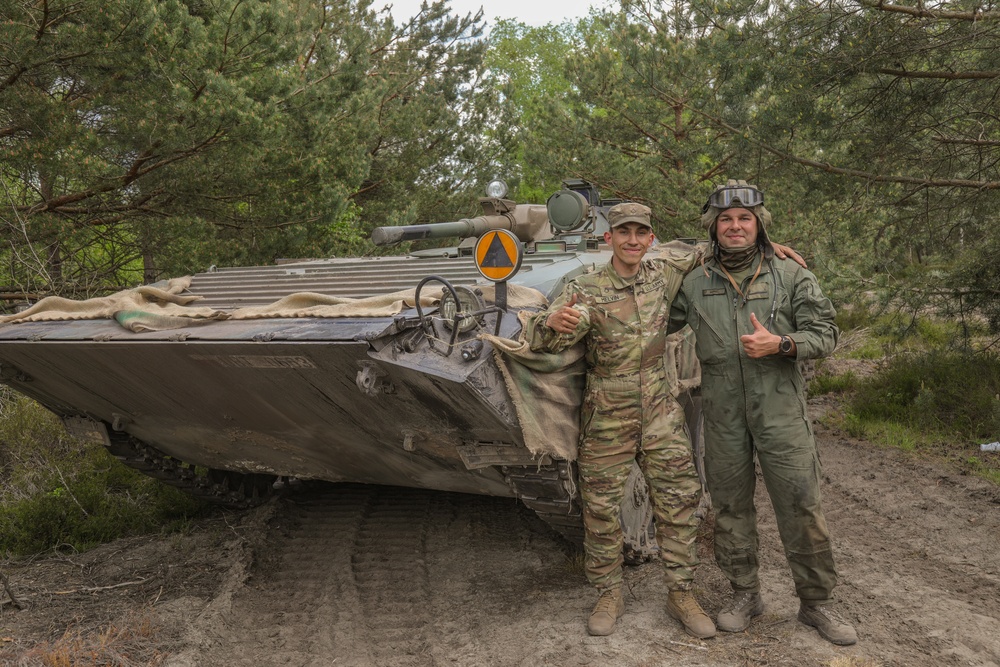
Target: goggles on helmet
(723, 198)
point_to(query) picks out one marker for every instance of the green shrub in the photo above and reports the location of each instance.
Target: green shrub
(885, 433)
(871, 349)
(58, 491)
(890, 333)
(854, 316)
(949, 393)
(985, 468)
(825, 383)
(937, 334)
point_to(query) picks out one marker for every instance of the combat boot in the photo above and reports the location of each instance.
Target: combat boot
(736, 615)
(830, 626)
(682, 606)
(609, 608)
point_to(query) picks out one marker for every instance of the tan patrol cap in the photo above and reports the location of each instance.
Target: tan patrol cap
(629, 212)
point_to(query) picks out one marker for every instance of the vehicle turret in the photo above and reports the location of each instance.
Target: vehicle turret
(576, 210)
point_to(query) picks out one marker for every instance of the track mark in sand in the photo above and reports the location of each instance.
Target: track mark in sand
(936, 584)
(370, 576)
(306, 607)
(389, 563)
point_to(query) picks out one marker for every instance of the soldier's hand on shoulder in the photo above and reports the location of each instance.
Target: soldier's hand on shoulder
(782, 251)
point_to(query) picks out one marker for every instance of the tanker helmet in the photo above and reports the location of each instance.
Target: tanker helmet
(736, 194)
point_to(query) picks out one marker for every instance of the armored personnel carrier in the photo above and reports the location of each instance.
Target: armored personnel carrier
(230, 408)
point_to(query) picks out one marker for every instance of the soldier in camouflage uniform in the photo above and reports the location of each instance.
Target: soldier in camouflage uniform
(754, 318)
(629, 414)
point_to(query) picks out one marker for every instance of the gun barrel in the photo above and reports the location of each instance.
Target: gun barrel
(439, 230)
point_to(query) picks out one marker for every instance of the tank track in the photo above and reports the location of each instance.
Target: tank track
(550, 491)
(230, 489)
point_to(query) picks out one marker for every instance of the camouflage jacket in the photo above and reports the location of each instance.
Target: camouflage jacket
(623, 322)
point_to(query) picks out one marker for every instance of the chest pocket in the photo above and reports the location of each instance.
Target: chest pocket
(711, 312)
(610, 315)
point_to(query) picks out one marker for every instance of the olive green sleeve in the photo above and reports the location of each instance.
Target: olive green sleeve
(678, 312)
(543, 339)
(816, 333)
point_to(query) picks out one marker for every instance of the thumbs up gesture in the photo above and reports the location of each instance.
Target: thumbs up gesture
(761, 342)
(565, 318)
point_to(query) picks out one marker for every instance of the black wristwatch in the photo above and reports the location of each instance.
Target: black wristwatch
(785, 345)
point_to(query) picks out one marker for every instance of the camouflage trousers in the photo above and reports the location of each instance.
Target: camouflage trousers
(621, 423)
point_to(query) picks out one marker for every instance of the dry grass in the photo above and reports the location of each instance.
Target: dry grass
(576, 563)
(125, 643)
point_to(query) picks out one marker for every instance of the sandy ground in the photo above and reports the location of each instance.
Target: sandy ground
(352, 575)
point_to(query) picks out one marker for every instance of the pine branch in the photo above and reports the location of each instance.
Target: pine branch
(949, 76)
(920, 12)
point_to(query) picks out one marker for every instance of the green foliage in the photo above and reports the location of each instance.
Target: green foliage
(597, 103)
(877, 114)
(854, 316)
(870, 350)
(863, 123)
(247, 131)
(873, 331)
(975, 283)
(526, 64)
(985, 467)
(102, 501)
(826, 383)
(885, 433)
(938, 334)
(952, 394)
(59, 492)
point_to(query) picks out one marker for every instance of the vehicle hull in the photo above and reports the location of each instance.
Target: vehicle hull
(283, 407)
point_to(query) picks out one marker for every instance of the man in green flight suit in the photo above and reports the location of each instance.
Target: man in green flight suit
(621, 313)
(754, 318)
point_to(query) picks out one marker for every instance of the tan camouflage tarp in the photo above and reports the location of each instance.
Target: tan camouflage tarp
(547, 390)
(168, 308)
(153, 309)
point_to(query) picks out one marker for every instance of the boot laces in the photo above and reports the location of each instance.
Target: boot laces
(737, 603)
(830, 614)
(686, 602)
(606, 603)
